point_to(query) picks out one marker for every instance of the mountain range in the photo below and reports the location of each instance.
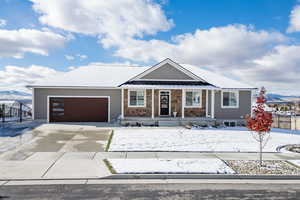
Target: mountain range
(271, 97)
(14, 95)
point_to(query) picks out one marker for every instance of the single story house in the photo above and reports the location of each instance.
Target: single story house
(165, 91)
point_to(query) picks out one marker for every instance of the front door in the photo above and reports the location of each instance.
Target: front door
(164, 103)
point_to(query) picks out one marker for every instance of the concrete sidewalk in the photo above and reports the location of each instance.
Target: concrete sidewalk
(90, 165)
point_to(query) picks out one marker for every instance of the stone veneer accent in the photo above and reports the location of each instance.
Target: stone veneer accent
(156, 106)
(176, 99)
(197, 112)
(138, 111)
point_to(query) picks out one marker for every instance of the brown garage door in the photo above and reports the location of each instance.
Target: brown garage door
(78, 109)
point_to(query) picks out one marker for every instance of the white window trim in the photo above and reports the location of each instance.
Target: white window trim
(237, 96)
(137, 106)
(199, 106)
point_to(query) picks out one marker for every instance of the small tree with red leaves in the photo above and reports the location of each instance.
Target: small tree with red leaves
(260, 122)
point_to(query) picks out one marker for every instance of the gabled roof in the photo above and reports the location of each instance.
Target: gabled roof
(163, 63)
(113, 76)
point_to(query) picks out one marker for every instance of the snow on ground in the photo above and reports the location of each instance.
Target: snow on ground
(295, 162)
(14, 134)
(180, 139)
(162, 166)
(9, 143)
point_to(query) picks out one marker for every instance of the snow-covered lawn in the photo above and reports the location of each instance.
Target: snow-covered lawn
(15, 134)
(162, 166)
(295, 162)
(180, 139)
(9, 143)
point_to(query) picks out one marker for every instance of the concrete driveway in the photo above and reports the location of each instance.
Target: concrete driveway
(56, 151)
(62, 138)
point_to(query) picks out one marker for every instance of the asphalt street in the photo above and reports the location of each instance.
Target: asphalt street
(187, 191)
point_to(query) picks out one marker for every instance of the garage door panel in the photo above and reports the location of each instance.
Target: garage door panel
(78, 109)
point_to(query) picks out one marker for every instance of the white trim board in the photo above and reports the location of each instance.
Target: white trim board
(75, 87)
(59, 96)
(137, 106)
(194, 90)
(237, 92)
(33, 105)
(168, 80)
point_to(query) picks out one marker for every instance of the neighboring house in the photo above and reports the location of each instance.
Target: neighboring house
(166, 91)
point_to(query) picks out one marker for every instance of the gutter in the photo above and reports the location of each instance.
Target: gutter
(70, 87)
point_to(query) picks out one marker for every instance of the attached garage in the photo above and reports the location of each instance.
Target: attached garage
(78, 109)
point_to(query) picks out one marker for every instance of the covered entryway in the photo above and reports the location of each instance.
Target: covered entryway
(78, 109)
(164, 103)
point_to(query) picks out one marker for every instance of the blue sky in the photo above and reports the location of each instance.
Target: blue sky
(255, 41)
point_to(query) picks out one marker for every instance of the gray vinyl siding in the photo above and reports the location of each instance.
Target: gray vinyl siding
(233, 113)
(167, 72)
(41, 94)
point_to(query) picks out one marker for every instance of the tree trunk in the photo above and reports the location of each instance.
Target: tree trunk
(260, 150)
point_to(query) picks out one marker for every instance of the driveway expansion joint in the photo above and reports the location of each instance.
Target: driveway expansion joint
(63, 153)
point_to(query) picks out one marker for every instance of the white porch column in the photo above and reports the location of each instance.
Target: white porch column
(152, 101)
(212, 104)
(206, 103)
(252, 101)
(122, 104)
(182, 103)
(33, 104)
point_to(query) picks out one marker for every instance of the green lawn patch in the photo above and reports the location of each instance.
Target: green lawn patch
(109, 141)
(109, 166)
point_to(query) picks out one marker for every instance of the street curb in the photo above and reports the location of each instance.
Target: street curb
(173, 176)
(203, 176)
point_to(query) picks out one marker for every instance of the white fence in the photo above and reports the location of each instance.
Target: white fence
(286, 122)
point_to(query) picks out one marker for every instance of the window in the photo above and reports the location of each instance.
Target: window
(230, 123)
(137, 98)
(193, 98)
(230, 99)
(57, 107)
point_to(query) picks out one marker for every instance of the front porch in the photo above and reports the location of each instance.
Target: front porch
(176, 106)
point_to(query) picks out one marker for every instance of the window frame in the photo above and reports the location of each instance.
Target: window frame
(230, 121)
(237, 98)
(193, 106)
(136, 106)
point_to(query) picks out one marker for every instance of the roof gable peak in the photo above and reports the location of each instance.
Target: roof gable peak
(180, 73)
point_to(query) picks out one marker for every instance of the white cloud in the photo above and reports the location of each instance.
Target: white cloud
(82, 57)
(113, 20)
(2, 22)
(15, 43)
(278, 70)
(294, 20)
(125, 63)
(16, 77)
(69, 57)
(218, 46)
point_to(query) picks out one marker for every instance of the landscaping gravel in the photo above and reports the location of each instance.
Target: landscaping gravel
(269, 167)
